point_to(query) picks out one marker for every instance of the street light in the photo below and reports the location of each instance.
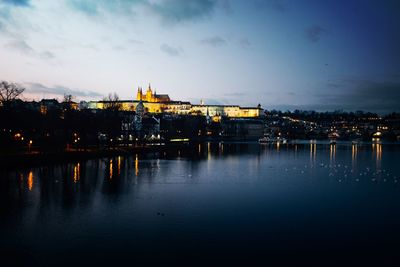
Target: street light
(29, 145)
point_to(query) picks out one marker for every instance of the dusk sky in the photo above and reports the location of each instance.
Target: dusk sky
(322, 55)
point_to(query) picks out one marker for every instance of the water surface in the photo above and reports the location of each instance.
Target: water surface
(217, 204)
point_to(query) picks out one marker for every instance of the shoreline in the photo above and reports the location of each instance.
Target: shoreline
(34, 158)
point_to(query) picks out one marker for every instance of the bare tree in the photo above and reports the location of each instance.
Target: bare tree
(68, 98)
(112, 102)
(67, 102)
(9, 92)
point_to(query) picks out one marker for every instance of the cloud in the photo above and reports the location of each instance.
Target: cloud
(313, 34)
(87, 7)
(37, 88)
(135, 42)
(170, 11)
(119, 47)
(170, 50)
(182, 10)
(350, 94)
(24, 48)
(21, 46)
(214, 41)
(359, 94)
(98, 7)
(47, 55)
(17, 2)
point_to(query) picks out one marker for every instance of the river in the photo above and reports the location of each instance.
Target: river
(215, 204)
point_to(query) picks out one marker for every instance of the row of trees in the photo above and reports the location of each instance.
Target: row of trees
(23, 124)
(10, 92)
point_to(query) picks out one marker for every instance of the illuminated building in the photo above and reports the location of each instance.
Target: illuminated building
(161, 103)
(151, 97)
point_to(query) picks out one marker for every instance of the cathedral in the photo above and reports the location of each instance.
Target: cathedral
(154, 103)
(151, 97)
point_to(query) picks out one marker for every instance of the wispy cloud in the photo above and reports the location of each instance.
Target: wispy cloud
(40, 89)
(24, 48)
(170, 11)
(214, 41)
(314, 33)
(88, 7)
(182, 10)
(21, 46)
(46, 55)
(135, 42)
(170, 50)
(119, 47)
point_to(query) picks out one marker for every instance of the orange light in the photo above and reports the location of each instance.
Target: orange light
(30, 181)
(111, 169)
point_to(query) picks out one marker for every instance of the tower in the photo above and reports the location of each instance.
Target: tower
(149, 94)
(139, 95)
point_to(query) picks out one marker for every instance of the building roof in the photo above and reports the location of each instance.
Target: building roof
(250, 108)
(161, 96)
(178, 103)
(207, 106)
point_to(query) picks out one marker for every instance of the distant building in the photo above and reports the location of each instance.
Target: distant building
(146, 127)
(49, 105)
(161, 103)
(151, 97)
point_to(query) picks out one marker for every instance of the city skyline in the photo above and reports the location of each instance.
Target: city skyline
(281, 54)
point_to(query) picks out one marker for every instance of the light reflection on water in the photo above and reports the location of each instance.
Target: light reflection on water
(77, 174)
(211, 154)
(30, 180)
(180, 200)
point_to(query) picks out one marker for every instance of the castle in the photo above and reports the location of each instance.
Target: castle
(150, 97)
(161, 103)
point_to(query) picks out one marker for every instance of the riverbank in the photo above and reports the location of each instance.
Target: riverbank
(36, 158)
(15, 160)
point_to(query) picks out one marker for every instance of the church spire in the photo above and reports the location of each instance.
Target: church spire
(139, 95)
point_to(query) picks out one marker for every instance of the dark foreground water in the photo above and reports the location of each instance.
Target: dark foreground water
(217, 205)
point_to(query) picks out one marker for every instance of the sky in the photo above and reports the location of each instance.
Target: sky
(282, 54)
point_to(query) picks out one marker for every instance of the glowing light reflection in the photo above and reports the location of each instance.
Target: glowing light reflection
(119, 165)
(354, 151)
(378, 156)
(77, 172)
(111, 169)
(313, 152)
(30, 181)
(136, 165)
(332, 151)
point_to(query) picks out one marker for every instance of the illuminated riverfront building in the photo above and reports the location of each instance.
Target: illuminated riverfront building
(161, 103)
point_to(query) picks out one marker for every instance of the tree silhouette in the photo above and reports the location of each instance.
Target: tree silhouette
(112, 102)
(9, 92)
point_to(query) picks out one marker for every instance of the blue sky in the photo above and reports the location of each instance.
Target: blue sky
(283, 54)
